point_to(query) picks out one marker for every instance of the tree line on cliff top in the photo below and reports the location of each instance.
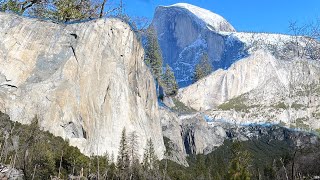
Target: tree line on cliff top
(63, 10)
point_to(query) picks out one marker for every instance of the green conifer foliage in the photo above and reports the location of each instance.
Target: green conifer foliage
(153, 57)
(57, 10)
(239, 165)
(203, 68)
(169, 82)
(150, 162)
(123, 161)
(67, 10)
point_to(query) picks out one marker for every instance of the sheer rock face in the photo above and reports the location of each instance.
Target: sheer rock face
(189, 134)
(199, 137)
(186, 32)
(171, 128)
(242, 77)
(259, 89)
(85, 82)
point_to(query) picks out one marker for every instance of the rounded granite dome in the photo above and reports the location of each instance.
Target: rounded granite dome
(204, 17)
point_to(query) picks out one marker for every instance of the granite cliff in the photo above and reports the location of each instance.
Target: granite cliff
(186, 32)
(84, 82)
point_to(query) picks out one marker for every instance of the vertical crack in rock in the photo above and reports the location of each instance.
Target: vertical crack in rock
(84, 133)
(74, 53)
(107, 92)
(189, 142)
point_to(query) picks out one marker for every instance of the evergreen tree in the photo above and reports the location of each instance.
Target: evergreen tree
(112, 169)
(153, 57)
(203, 68)
(239, 165)
(67, 10)
(133, 147)
(169, 82)
(58, 10)
(123, 161)
(107, 164)
(150, 160)
(134, 156)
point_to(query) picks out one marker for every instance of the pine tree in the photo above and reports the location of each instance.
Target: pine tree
(203, 68)
(67, 10)
(123, 161)
(150, 159)
(107, 164)
(150, 162)
(239, 166)
(112, 170)
(133, 147)
(153, 57)
(135, 167)
(169, 82)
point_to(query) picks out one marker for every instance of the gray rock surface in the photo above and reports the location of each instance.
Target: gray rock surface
(199, 134)
(189, 134)
(168, 101)
(85, 82)
(171, 128)
(260, 88)
(185, 32)
(199, 137)
(8, 172)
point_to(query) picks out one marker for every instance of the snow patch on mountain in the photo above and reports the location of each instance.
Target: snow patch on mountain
(199, 43)
(207, 18)
(249, 37)
(254, 41)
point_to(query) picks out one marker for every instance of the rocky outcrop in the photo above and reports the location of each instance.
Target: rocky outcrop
(189, 134)
(199, 134)
(199, 137)
(8, 172)
(84, 82)
(171, 128)
(222, 85)
(271, 132)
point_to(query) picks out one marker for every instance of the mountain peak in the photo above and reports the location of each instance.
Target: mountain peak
(212, 20)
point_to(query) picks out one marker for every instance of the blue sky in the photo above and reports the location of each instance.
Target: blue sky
(245, 15)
